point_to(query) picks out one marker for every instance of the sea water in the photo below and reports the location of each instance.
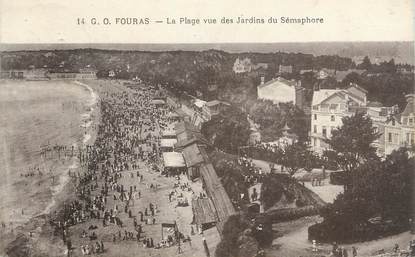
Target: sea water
(35, 115)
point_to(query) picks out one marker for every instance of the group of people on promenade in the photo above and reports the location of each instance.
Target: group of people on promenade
(127, 141)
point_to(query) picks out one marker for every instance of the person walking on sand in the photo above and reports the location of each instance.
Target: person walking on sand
(189, 240)
(354, 251)
(205, 246)
(345, 254)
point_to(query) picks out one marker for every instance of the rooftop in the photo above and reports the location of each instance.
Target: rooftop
(410, 106)
(216, 102)
(173, 160)
(158, 102)
(196, 138)
(192, 155)
(204, 211)
(168, 142)
(292, 83)
(322, 94)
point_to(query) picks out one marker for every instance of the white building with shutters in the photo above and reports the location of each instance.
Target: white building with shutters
(329, 106)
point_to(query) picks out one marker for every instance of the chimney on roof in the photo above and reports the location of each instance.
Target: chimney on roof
(262, 80)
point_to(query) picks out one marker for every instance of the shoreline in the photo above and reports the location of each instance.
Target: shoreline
(34, 233)
(64, 178)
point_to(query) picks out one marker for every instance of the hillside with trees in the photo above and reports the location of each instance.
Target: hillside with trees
(387, 88)
(188, 71)
(193, 72)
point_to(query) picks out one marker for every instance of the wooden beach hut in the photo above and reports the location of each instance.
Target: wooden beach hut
(204, 214)
(167, 144)
(173, 163)
(194, 158)
(215, 190)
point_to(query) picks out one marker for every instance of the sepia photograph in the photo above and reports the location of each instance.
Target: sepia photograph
(212, 148)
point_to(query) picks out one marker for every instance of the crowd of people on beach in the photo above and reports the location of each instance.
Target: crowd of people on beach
(128, 134)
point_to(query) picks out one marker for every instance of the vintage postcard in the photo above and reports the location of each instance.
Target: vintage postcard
(207, 128)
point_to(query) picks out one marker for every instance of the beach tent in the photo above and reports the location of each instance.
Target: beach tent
(158, 102)
(194, 158)
(168, 133)
(167, 144)
(173, 163)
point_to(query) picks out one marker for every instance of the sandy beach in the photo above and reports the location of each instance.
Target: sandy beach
(35, 116)
(33, 231)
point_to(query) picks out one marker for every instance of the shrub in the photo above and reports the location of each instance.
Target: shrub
(352, 233)
(228, 246)
(242, 238)
(339, 178)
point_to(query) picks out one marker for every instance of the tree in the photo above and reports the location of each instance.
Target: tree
(383, 189)
(387, 67)
(272, 118)
(327, 83)
(366, 64)
(228, 131)
(102, 74)
(232, 229)
(352, 143)
(275, 186)
(396, 186)
(295, 157)
(351, 78)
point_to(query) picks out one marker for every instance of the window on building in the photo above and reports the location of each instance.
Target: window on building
(315, 116)
(315, 107)
(331, 129)
(412, 138)
(315, 128)
(324, 131)
(324, 107)
(314, 141)
(333, 106)
(390, 137)
(396, 138)
(393, 122)
(411, 121)
(408, 137)
(332, 118)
